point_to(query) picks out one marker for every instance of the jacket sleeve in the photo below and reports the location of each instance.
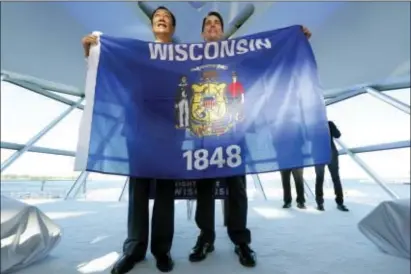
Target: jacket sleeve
(335, 133)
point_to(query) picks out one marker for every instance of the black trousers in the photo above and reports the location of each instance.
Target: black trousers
(299, 184)
(238, 207)
(333, 167)
(162, 222)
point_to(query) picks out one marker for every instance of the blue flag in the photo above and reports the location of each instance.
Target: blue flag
(187, 111)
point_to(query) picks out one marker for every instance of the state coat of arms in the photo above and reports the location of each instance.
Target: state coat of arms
(209, 107)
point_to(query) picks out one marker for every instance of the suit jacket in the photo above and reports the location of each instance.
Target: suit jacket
(335, 133)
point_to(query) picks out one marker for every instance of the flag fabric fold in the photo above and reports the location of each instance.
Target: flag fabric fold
(187, 111)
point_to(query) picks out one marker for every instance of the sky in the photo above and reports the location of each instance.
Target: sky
(362, 120)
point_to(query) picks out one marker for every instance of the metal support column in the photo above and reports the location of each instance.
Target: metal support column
(257, 183)
(389, 100)
(36, 137)
(368, 170)
(124, 188)
(77, 184)
(81, 184)
(307, 186)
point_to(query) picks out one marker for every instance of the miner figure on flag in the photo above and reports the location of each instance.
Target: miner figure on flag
(236, 98)
(181, 105)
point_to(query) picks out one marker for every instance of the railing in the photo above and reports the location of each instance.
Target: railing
(38, 189)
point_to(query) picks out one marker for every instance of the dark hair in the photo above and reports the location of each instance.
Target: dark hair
(216, 14)
(166, 9)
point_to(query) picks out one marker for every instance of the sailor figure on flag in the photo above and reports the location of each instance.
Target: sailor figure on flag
(236, 98)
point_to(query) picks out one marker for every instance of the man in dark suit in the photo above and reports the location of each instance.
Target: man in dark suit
(162, 224)
(333, 167)
(212, 30)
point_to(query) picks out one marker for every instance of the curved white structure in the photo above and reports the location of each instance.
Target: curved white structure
(27, 235)
(388, 227)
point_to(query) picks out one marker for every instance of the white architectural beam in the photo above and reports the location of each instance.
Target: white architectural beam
(37, 89)
(43, 150)
(388, 99)
(378, 147)
(368, 170)
(47, 85)
(36, 137)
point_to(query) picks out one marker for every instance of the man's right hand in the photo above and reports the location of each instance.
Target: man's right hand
(87, 42)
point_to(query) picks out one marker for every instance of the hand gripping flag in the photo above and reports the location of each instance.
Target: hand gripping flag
(187, 111)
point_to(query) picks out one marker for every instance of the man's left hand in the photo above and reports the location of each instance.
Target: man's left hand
(306, 32)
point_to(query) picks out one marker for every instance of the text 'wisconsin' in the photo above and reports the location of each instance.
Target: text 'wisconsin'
(208, 51)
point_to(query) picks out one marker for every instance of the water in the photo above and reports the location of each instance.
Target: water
(58, 189)
(51, 189)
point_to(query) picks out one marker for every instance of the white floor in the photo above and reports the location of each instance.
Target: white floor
(289, 241)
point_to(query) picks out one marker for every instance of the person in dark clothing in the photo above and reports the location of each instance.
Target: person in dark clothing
(162, 224)
(299, 186)
(212, 30)
(333, 167)
(236, 220)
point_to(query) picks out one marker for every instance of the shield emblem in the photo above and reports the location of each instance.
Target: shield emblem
(208, 102)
